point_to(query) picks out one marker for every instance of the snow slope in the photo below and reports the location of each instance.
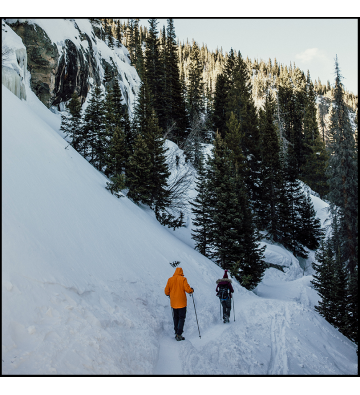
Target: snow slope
(83, 277)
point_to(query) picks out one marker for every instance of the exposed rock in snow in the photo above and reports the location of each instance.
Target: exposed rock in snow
(65, 55)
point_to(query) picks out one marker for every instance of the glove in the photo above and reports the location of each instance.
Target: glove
(192, 289)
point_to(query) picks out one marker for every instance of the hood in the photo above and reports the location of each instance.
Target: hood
(178, 272)
(220, 280)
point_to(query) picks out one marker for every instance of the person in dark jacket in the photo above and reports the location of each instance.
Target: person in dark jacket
(225, 283)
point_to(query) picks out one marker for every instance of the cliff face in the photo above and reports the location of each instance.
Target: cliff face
(65, 56)
(14, 62)
(42, 59)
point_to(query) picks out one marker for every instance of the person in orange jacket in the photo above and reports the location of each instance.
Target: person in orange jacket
(175, 288)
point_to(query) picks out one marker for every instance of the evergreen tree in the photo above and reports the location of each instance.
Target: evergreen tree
(138, 173)
(143, 108)
(219, 116)
(71, 123)
(267, 211)
(201, 210)
(340, 292)
(323, 282)
(342, 174)
(176, 111)
(94, 128)
(291, 200)
(234, 239)
(240, 102)
(227, 231)
(248, 267)
(195, 84)
(159, 171)
(313, 168)
(153, 68)
(118, 35)
(116, 153)
(309, 231)
(234, 140)
(351, 320)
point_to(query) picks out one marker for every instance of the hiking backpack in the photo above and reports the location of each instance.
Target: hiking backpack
(223, 292)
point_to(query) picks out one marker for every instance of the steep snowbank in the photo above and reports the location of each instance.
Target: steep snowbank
(83, 277)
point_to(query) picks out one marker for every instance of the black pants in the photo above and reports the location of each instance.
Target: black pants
(226, 304)
(179, 320)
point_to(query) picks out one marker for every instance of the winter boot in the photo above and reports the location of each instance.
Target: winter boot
(179, 338)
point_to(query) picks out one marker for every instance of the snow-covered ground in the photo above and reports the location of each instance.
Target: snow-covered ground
(83, 277)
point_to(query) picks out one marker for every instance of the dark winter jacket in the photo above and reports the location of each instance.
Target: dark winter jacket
(224, 282)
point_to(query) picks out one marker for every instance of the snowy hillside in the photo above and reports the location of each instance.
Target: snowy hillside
(83, 277)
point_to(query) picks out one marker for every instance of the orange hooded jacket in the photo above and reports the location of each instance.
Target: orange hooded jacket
(176, 287)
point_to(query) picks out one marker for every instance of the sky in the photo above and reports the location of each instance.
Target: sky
(311, 43)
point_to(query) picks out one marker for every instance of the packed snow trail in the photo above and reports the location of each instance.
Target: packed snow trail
(275, 334)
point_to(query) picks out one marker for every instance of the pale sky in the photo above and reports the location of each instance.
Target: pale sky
(311, 43)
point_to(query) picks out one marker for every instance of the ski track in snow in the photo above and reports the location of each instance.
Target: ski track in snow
(265, 339)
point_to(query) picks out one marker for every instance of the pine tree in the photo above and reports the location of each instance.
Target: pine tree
(351, 320)
(340, 292)
(267, 210)
(138, 173)
(201, 210)
(71, 123)
(219, 116)
(309, 231)
(227, 231)
(342, 174)
(234, 141)
(234, 239)
(313, 169)
(291, 200)
(94, 128)
(176, 111)
(143, 107)
(116, 153)
(195, 84)
(323, 281)
(248, 267)
(159, 171)
(153, 68)
(118, 35)
(240, 102)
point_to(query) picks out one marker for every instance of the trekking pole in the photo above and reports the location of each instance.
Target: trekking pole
(234, 308)
(220, 308)
(196, 315)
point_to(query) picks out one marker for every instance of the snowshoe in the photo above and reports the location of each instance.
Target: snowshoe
(179, 337)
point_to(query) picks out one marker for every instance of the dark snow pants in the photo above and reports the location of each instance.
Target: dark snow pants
(226, 304)
(179, 320)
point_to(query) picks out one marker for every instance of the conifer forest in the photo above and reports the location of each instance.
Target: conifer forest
(272, 129)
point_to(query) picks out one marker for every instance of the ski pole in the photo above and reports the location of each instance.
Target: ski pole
(220, 308)
(234, 308)
(196, 315)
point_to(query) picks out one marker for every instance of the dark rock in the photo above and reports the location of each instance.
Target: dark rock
(55, 77)
(42, 60)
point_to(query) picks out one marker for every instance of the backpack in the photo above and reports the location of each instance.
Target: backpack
(223, 292)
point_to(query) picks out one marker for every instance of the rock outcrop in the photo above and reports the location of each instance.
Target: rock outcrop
(72, 63)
